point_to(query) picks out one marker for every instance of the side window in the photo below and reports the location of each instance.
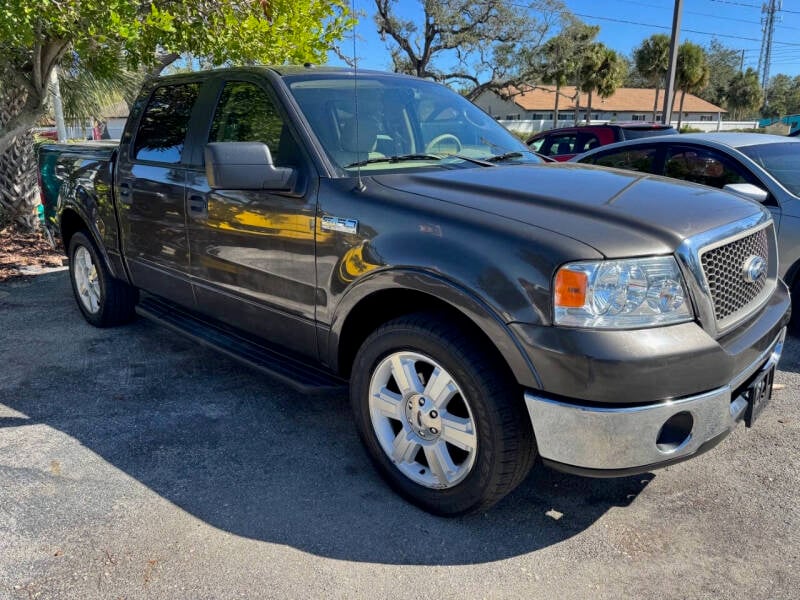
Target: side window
(556, 145)
(162, 130)
(703, 166)
(639, 159)
(246, 113)
(536, 145)
(587, 141)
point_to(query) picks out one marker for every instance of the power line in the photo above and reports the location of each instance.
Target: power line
(697, 31)
(689, 12)
(737, 3)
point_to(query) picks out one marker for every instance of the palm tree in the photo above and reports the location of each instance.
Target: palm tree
(602, 71)
(692, 73)
(86, 89)
(562, 56)
(652, 61)
(744, 92)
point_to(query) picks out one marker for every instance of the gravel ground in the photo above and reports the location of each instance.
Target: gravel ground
(135, 464)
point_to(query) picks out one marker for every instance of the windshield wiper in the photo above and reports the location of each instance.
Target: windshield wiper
(503, 157)
(478, 161)
(394, 159)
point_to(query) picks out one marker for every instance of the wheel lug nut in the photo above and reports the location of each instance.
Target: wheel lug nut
(434, 414)
(422, 401)
(434, 431)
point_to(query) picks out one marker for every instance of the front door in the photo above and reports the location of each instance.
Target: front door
(253, 252)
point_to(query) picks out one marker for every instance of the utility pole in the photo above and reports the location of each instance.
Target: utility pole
(669, 91)
(769, 10)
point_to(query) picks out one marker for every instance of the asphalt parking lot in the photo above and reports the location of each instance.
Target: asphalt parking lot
(135, 464)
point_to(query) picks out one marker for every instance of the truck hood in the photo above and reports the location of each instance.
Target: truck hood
(619, 213)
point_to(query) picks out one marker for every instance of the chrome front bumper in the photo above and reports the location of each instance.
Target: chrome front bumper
(586, 438)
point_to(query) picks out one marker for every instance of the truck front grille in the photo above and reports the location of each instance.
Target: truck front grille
(724, 266)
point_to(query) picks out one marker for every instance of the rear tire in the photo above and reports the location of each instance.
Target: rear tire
(103, 300)
(440, 417)
(794, 323)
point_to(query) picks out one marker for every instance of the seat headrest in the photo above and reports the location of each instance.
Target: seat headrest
(359, 138)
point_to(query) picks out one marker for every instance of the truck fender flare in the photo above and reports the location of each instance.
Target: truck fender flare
(456, 296)
(91, 227)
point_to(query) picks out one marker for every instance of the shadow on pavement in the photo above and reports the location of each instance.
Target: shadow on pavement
(252, 457)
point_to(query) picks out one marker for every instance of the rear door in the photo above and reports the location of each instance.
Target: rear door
(253, 251)
(150, 183)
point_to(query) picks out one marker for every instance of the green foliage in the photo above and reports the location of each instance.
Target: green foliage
(602, 70)
(723, 64)
(687, 129)
(277, 31)
(36, 36)
(692, 72)
(783, 96)
(652, 62)
(744, 94)
(652, 58)
(561, 55)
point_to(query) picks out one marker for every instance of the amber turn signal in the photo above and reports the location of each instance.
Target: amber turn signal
(571, 288)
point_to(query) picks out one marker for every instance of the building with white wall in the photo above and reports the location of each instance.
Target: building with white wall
(626, 104)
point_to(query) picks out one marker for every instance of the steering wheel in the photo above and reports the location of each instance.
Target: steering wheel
(444, 137)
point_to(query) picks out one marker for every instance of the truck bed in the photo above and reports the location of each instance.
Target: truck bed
(50, 155)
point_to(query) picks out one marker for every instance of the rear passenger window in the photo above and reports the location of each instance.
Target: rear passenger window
(162, 130)
(702, 166)
(557, 145)
(632, 160)
(246, 113)
(588, 141)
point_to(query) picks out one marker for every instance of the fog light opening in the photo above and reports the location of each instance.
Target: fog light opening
(675, 433)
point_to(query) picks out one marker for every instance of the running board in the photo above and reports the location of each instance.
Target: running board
(302, 376)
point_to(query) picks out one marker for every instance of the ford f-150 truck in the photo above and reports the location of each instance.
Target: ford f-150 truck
(488, 311)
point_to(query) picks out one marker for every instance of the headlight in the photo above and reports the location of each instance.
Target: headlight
(621, 294)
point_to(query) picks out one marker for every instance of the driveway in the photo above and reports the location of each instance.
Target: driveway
(135, 464)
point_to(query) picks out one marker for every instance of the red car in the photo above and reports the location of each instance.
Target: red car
(565, 142)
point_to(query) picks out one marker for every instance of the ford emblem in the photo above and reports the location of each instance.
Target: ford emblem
(753, 268)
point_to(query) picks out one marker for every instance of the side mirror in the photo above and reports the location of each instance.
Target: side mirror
(747, 190)
(245, 166)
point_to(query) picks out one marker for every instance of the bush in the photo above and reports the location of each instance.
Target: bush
(687, 129)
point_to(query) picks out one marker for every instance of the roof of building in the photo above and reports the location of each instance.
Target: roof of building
(623, 100)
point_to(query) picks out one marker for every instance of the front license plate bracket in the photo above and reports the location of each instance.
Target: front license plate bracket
(758, 395)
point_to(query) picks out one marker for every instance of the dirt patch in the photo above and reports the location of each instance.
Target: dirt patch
(22, 252)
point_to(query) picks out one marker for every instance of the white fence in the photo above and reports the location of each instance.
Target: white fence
(529, 127)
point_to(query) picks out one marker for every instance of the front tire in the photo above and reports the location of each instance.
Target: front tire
(440, 417)
(103, 300)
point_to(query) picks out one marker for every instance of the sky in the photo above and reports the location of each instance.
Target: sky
(625, 23)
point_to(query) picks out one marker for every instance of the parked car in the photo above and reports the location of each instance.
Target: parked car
(487, 310)
(565, 142)
(765, 168)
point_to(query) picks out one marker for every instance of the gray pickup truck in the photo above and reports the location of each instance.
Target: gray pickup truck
(487, 310)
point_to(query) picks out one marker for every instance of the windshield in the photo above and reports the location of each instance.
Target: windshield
(401, 123)
(781, 160)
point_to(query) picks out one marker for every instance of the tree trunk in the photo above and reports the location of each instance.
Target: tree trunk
(589, 109)
(555, 109)
(680, 109)
(18, 181)
(655, 105)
